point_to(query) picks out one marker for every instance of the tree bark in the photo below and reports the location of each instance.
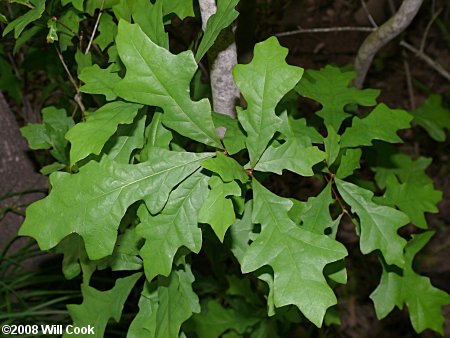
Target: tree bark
(222, 57)
(380, 37)
(17, 174)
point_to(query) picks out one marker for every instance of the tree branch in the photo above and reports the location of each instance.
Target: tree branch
(327, 30)
(380, 37)
(222, 58)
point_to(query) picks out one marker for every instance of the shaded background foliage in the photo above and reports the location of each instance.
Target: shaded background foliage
(33, 77)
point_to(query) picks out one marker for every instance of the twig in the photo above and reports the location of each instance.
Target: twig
(427, 29)
(409, 85)
(77, 97)
(326, 30)
(369, 16)
(380, 37)
(95, 27)
(433, 64)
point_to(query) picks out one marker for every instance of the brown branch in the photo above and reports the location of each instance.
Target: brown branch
(369, 16)
(77, 97)
(433, 64)
(427, 29)
(326, 30)
(95, 27)
(380, 37)
(409, 84)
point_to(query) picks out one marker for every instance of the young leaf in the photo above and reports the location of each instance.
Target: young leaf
(292, 155)
(23, 21)
(214, 320)
(433, 117)
(263, 83)
(174, 227)
(424, 301)
(156, 77)
(332, 146)
(224, 16)
(165, 305)
(99, 81)
(330, 87)
(297, 256)
(218, 210)
(413, 199)
(226, 167)
(90, 136)
(379, 224)
(99, 306)
(92, 202)
(381, 124)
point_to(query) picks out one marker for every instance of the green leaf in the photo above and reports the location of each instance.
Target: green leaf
(126, 251)
(50, 134)
(165, 305)
(411, 198)
(405, 168)
(82, 60)
(234, 138)
(263, 83)
(150, 18)
(25, 37)
(92, 5)
(127, 138)
(316, 212)
(433, 117)
(214, 320)
(292, 155)
(299, 129)
(99, 81)
(157, 136)
(226, 167)
(93, 201)
(99, 306)
(349, 163)
(218, 210)
(90, 136)
(381, 124)
(50, 168)
(332, 146)
(297, 256)
(224, 16)
(107, 29)
(156, 77)
(379, 224)
(424, 301)
(330, 87)
(174, 227)
(23, 21)
(77, 4)
(240, 233)
(182, 8)
(68, 26)
(3, 19)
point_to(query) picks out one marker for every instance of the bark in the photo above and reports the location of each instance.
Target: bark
(222, 57)
(380, 37)
(17, 174)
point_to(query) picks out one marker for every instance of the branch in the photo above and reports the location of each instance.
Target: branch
(433, 64)
(327, 30)
(380, 37)
(95, 27)
(222, 58)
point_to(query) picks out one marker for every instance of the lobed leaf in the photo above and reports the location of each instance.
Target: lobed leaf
(263, 83)
(23, 21)
(92, 202)
(156, 77)
(90, 136)
(331, 87)
(99, 81)
(297, 256)
(174, 227)
(379, 224)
